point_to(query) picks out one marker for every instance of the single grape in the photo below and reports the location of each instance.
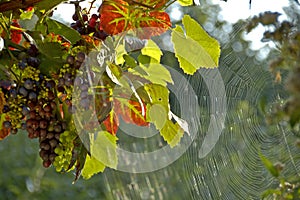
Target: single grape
(23, 91)
(85, 17)
(75, 17)
(80, 57)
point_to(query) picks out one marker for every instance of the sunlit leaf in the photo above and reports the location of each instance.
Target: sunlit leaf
(185, 2)
(92, 166)
(103, 148)
(194, 48)
(152, 50)
(171, 133)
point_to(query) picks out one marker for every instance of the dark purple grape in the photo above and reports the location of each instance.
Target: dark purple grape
(25, 110)
(50, 84)
(79, 24)
(5, 109)
(43, 124)
(80, 57)
(70, 60)
(33, 62)
(14, 131)
(7, 124)
(101, 35)
(81, 30)
(13, 93)
(95, 16)
(46, 163)
(85, 17)
(23, 91)
(74, 26)
(28, 84)
(32, 96)
(23, 126)
(75, 17)
(32, 51)
(22, 65)
(57, 128)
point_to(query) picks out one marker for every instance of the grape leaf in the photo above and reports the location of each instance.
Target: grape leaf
(47, 5)
(171, 132)
(111, 123)
(154, 72)
(104, 148)
(92, 166)
(120, 52)
(152, 50)
(130, 61)
(56, 27)
(158, 113)
(26, 14)
(194, 48)
(185, 2)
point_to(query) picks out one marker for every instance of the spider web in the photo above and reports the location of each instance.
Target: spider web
(233, 169)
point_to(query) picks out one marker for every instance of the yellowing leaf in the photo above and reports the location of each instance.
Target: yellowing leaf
(194, 48)
(171, 133)
(154, 72)
(91, 167)
(120, 52)
(158, 115)
(103, 147)
(152, 50)
(26, 14)
(185, 2)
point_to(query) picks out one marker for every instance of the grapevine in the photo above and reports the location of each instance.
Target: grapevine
(53, 71)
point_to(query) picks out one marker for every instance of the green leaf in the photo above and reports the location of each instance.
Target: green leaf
(130, 61)
(120, 52)
(56, 27)
(154, 72)
(92, 166)
(194, 48)
(269, 165)
(26, 14)
(152, 50)
(104, 148)
(158, 94)
(47, 5)
(172, 133)
(50, 49)
(185, 2)
(158, 115)
(51, 57)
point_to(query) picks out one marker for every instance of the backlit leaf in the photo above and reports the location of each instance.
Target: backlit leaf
(194, 48)
(185, 2)
(104, 148)
(92, 166)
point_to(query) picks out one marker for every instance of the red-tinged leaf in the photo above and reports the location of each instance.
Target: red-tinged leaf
(158, 23)
(113, 16)
(15, 34)
(131, 112)
(4, 133)
(144, 17)
(111, 123)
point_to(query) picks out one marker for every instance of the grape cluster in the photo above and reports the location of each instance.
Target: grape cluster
(64, 151)
(85, 25)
